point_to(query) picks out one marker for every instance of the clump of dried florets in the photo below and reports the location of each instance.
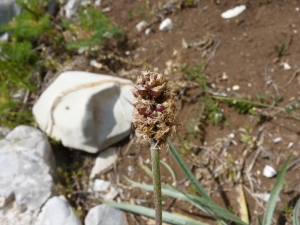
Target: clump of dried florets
(155, 112)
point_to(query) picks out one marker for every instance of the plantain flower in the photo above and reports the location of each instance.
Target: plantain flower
(155, 111)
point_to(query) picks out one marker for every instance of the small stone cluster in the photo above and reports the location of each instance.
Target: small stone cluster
(154, 116)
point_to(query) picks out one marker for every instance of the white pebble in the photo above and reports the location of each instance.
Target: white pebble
(278, 139)
(286, 66)
(94, 63)
(269, 171)
(147, 31)
(166, 25)
(235, 87)
(233, 12)
(141, 25)
(290, 145)
(231, 135)
(224, 76)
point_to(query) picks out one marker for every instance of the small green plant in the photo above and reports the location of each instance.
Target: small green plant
(18, 61)
(91, 29)
(280, 49)
(24, 58)
(210, 109)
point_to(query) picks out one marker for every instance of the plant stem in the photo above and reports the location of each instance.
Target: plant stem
(156, 184)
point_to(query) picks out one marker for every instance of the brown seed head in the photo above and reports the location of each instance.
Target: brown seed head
(155, 110)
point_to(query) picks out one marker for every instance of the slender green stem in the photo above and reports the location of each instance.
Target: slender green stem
(156, 184)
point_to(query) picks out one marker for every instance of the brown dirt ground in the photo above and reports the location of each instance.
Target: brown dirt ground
(243, 49)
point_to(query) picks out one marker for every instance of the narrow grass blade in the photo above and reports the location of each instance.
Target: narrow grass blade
(274, 193)
(187, 172)
(296, 212)
(141, 210)
(259, 222)
(145, 168)
(201, 203)
(170, 170)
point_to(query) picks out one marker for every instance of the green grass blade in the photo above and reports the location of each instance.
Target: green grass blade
(201, 203)
(259, 219)
(170, 170)
(141, 210)
(187, 172)
(274, 193)
(296, 212)
(145, 168)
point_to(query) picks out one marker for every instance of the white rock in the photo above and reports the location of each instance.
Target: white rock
(148, 31)
(57, 211)
(104, 215)
(26, 165)
(86, 111)
(104, 160)
(278, 139)
(101, 185)
(70, 8)
(235, 87)
(94, 63)
(290, 145)
(286, 66)
(233, 12)
(269, 171)
(264, 196)
(98, 2)
(166, 25)
(141, 25)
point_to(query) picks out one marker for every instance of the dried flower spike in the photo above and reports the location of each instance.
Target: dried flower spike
(155, 110)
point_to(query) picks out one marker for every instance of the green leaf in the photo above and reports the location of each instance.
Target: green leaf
(274, 193)
(170, 170)
(187, 172)
(296, 212)
(141, 210)
(201, 203)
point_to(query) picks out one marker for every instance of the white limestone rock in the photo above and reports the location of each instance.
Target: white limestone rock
(233, 12)
(70, 8)
(86, 111)
(104, 160)
(57, 211)
(26, 165)
(166, 25)
(104, 215)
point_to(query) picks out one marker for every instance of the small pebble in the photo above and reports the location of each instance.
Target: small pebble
(269, 171)
(286, 66)
(141, 25)
(94, 63)
(148, 31)
(276, 140)
(224, 76)
(233, 12)
(231, 135)
(290, 145)
(166, 25)
(235, 87)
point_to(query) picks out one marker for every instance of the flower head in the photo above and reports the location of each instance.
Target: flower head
(155, 111)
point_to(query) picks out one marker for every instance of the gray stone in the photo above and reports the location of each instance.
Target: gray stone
(57, 211)
(105, 215)
(104, 160)
(26, 165)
